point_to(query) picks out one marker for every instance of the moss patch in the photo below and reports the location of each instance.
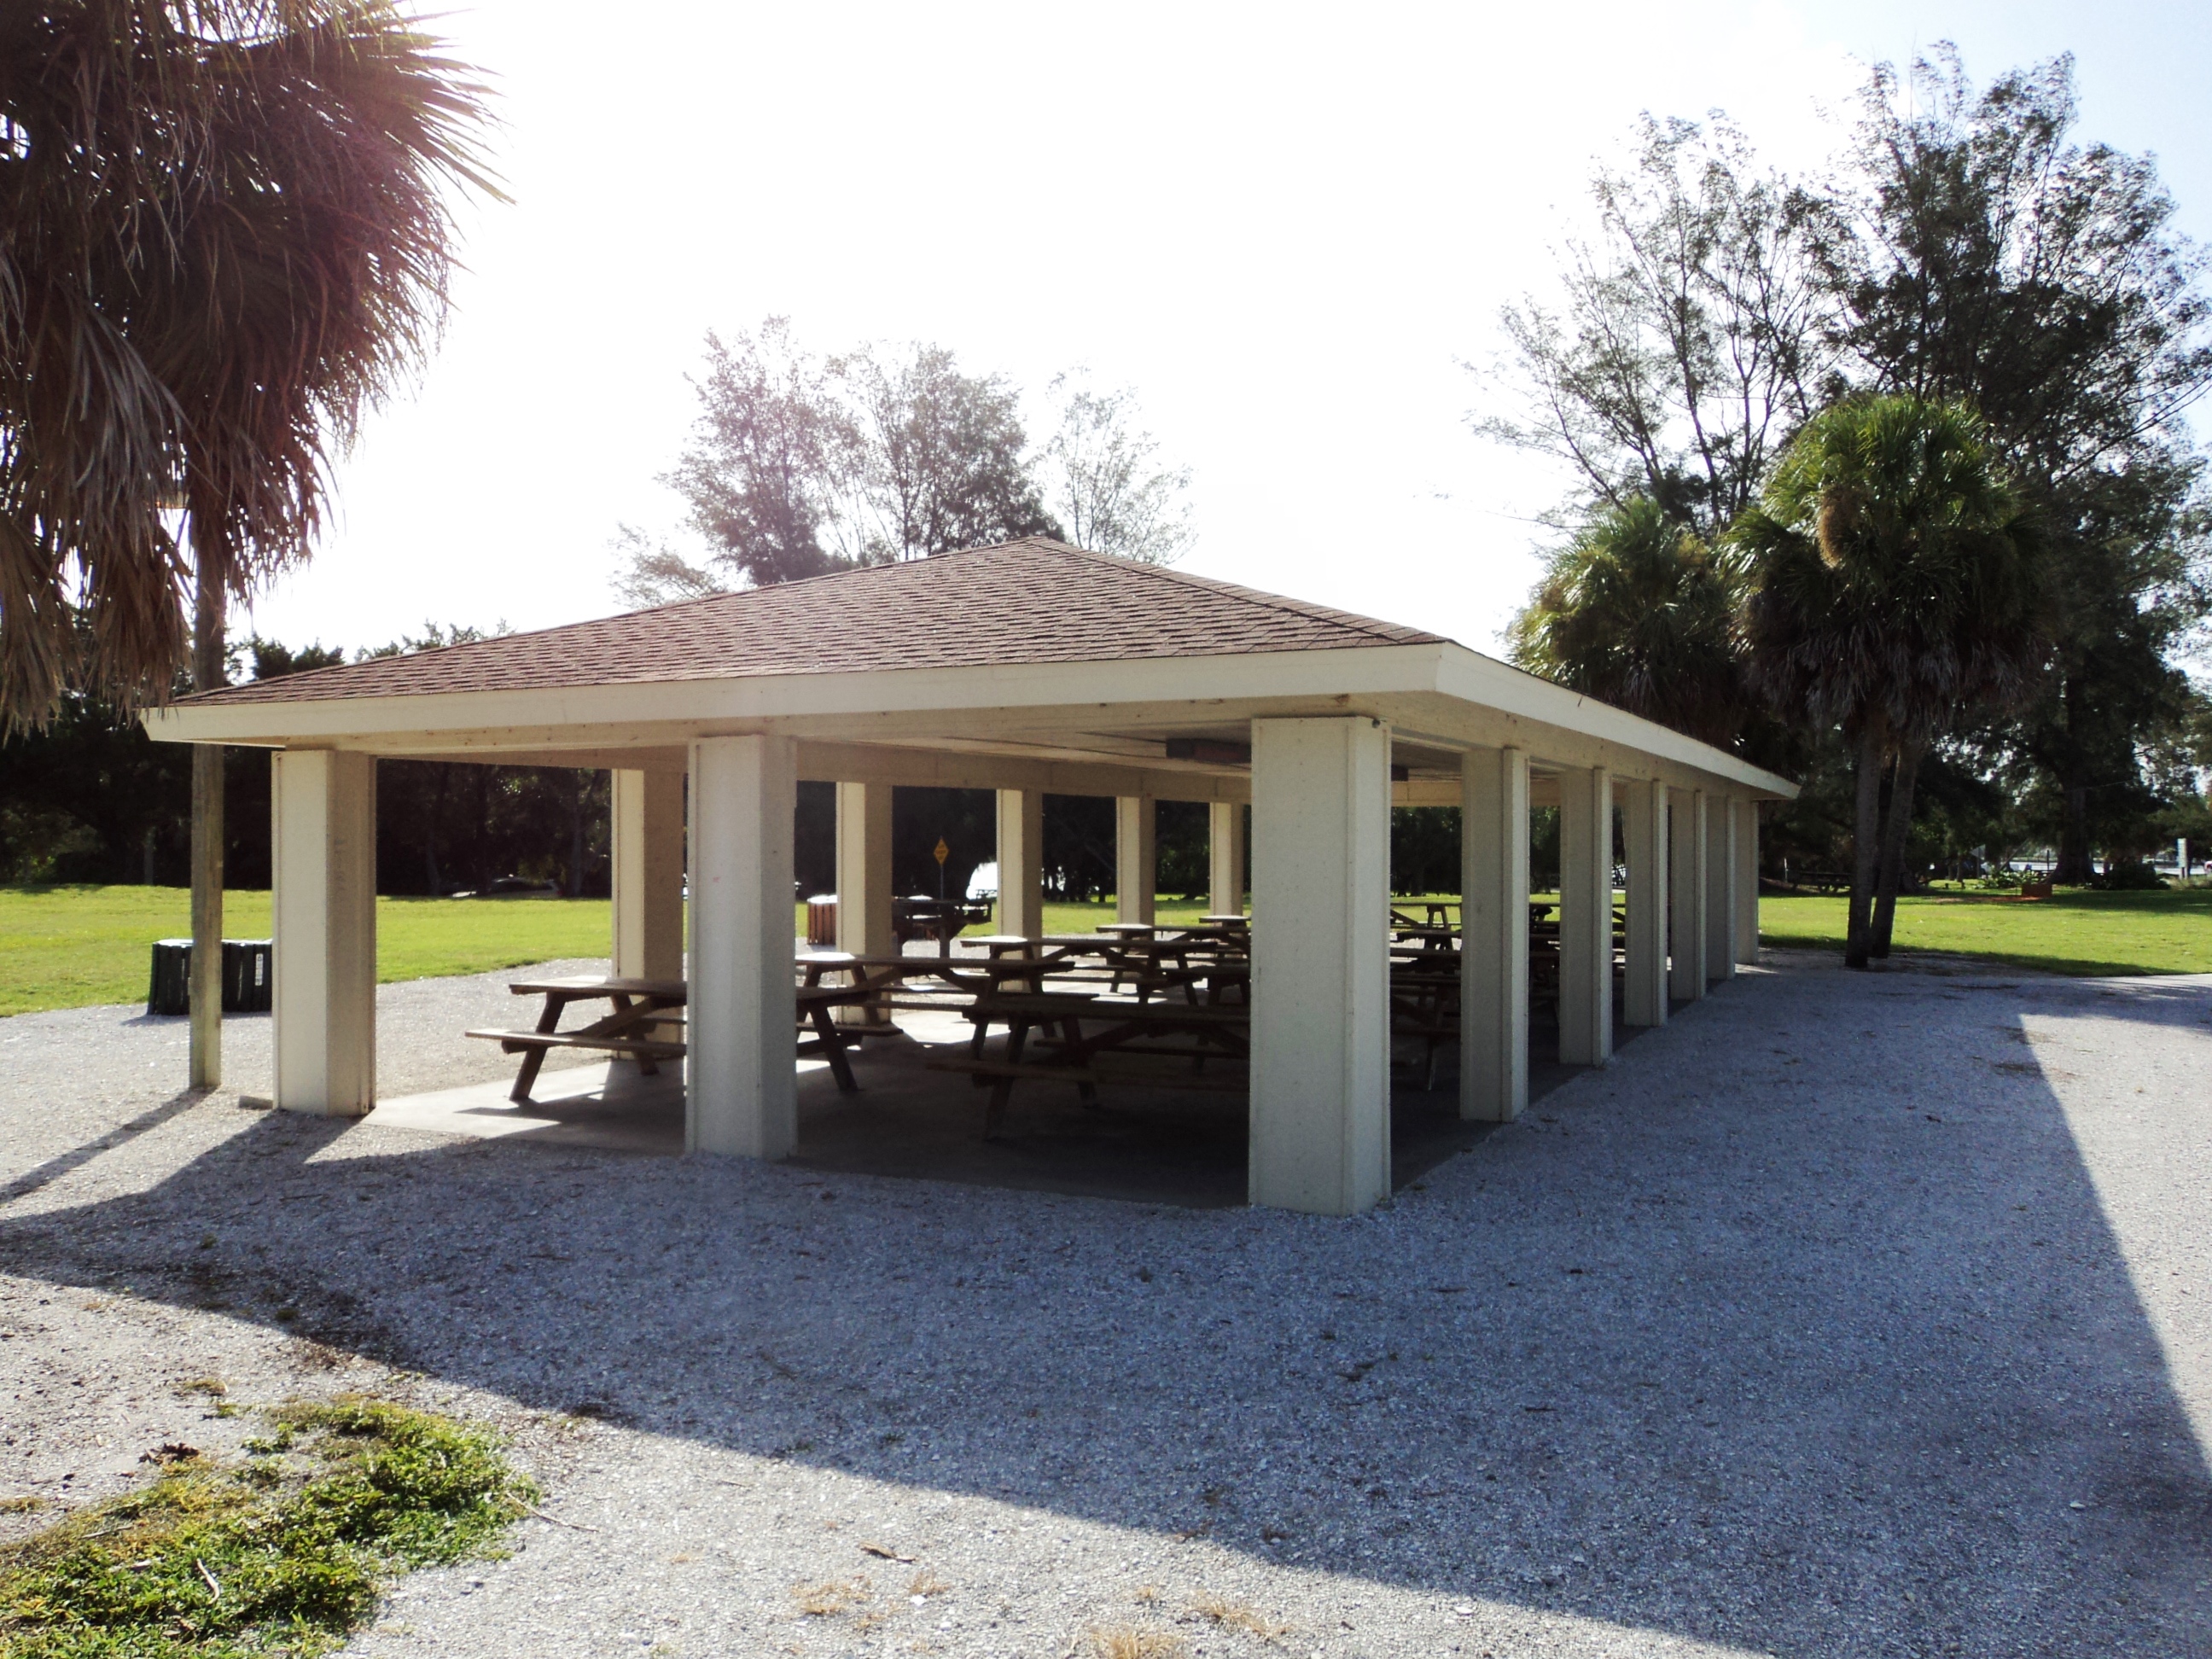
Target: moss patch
(284, 1553)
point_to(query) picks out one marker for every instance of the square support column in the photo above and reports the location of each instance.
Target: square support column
(1585, 917)
(1136, 856)
(1224, 858)
(1643, 821)
(1021, 862)
(1746, 881)
(648, 875)
(1720, 888)
(1685, 904)
(1494, 1022)
(864, 869)
(740, 1076)
(323, 839)
(1321, 964)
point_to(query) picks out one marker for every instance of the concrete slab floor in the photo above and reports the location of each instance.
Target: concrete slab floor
(1173, 1145)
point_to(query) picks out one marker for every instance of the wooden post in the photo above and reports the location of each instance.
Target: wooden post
(1493, 1067)
(741, 1073)
(1136, 857)
(1321, 964)
(1644, 809)
(1585, 917)
(323, 864)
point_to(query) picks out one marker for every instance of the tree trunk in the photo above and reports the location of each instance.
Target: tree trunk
(1866, 843)
(1895, 833)
(2074, 864)
(430, 833)
(577, 781)
(206, 990)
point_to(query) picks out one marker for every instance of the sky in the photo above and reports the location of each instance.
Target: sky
(1289, 230)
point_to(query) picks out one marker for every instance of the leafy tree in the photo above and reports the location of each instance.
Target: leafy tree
(227, 231)
(1897, 591)
(1689, 339)
(1639, 611)
(1103, 481)
(1976, 253)
(1964, 247)
(800, 464)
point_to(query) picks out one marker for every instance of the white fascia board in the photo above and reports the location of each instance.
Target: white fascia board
(1473, 677)
(656, 712)
(1365, 672)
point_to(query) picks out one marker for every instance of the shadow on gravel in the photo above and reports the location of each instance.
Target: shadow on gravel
(1732, 1341)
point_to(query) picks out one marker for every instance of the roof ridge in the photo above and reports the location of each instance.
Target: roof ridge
(1375, 626)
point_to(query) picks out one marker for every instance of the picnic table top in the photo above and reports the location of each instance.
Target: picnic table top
(588, 985)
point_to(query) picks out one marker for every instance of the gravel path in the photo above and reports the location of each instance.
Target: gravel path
(1847, 1314)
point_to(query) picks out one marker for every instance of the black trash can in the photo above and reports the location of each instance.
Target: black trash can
(248, 976)
(171, 992)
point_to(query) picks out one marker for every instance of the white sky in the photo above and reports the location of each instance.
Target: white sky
(1286, 227)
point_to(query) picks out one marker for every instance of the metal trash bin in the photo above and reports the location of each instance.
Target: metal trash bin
(249, 977)
(822, 921)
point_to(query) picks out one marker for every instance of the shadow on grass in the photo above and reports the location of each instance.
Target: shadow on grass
(1735, 1342)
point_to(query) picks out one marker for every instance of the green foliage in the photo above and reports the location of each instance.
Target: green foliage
(283, 1554)
(1964, 248)
(1894, 580)
(1638, 610)
(228, 230)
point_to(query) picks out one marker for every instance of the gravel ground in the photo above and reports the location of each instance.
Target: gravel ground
(1847, 1314)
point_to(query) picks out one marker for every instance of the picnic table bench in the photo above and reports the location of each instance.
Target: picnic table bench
(642, 1006)
(645, 1007)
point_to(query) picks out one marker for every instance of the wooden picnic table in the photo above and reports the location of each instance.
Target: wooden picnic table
(1118, 1026)
(643, 1007)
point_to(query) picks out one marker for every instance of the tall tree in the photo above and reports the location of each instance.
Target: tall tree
(1103, 479)
(942, 459)
(1687, 340)
(1638, 610)
(1898, 591)
(799, 465)
(1977, 253)
(236, 215)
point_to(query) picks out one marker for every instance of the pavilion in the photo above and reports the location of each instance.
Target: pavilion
(1028, 668)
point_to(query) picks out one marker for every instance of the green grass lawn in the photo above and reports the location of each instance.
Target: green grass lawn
(64, 947)
(2071, 933)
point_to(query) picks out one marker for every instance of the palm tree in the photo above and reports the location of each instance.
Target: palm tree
(1640, 613)
(226, 229)
(1896, 589)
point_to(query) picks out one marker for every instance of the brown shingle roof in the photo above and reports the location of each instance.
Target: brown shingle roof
(1030, 601)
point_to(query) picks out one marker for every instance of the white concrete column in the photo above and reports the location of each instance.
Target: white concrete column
(1686, 903)
(323, 843)
(1136, 856)
(1224, 858)
(1021, 862)
(1321, 964)
(1493, 973)
(864, 869)
(648, 875)
(1746, 881)
(1643, 820)
(1585, 917)
(740, 1075)
(1720, 888)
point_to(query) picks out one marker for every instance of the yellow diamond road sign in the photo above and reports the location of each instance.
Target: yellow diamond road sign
(943, 851)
